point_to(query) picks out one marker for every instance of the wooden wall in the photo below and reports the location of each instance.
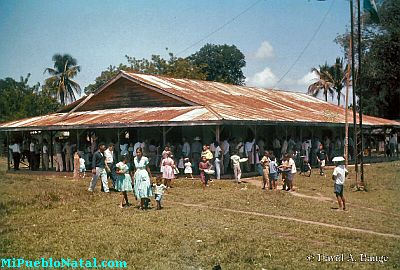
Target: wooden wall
(126, 94)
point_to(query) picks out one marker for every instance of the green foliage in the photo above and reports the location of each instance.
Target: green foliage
(220, 63)
(380, 69)
(173, 67)
(65, 68)
(19, 100)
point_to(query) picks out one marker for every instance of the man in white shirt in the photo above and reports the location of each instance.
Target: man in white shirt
(16, 154)
(217, 162)
(109, 160)
(45, 153)
(32, 155)
(339, 176)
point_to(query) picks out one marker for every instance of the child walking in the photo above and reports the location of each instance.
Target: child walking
(82, 166)
(236, 167)
(204, 165)
(188, 168)
(339, 176)
(124, 180)
(159, 191)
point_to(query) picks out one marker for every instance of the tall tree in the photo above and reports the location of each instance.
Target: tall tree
(19, 100)
(338, 74)
(221, 63)
(380, 72)
(324, 82)
(65, 68)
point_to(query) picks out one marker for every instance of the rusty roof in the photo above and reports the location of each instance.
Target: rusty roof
(207, 103)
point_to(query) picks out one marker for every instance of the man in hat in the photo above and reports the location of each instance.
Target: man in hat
(339, 176)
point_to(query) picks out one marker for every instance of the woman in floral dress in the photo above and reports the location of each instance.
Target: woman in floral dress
(142, 183)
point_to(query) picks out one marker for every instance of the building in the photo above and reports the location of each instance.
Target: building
(134, 106)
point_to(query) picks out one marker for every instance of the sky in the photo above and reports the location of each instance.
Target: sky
(281, 39)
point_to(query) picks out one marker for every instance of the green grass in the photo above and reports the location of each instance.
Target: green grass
(49, 216)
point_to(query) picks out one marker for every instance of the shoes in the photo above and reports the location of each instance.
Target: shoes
(90, 190)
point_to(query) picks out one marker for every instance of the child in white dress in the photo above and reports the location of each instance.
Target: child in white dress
(188, 168)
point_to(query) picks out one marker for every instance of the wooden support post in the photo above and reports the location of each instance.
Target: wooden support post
(164, 136)
(51, 148)
(118, 142)
(41, 149)
(217, 131)
(8, 150)
(255, 148)
(77, 140)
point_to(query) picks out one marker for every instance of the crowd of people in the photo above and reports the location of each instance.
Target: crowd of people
(130, 168)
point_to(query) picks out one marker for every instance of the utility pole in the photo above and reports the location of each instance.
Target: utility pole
(360, 92)
(354, 84)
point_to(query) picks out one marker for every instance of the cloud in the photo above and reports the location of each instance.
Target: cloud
(264, 78)
(307, 79)
(265, 50)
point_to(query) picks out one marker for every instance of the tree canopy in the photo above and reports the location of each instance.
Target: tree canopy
(380, 70)
(65, 68)
(19, 100)
(221, 63)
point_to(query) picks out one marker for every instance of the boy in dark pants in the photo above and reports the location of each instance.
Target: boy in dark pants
(321, 158)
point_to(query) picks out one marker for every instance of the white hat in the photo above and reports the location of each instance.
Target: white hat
(196, 138)
(338, 159)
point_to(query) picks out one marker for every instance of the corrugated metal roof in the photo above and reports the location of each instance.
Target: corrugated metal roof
(115, 117)
(217, 103)
(234, 102)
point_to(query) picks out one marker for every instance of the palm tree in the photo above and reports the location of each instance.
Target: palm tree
(65, 68)
(338, 74)
(324, 82)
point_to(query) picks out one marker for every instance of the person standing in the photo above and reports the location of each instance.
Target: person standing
(185, 148)
(217, 161)
(204, 165)
(123, 182)
(16, 154)
(109, 156)
(69, 162)
(142, 183)
(276, 144)
(196, 153)
(32, 158)
(339, 176)
(99, 169)
(58, 151)
(265, 165)
(321, 158)
(236, 167)
(168, 165)
(37, 155)
(225, 147)
(45, 153)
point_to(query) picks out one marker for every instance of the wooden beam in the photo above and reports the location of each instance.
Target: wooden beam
(51, 148)
(8, 150)
(217, 132)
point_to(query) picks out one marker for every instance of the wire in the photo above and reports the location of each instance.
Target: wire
(220, 28)
(307, 45)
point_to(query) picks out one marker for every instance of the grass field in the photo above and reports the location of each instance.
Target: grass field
(234, 226)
